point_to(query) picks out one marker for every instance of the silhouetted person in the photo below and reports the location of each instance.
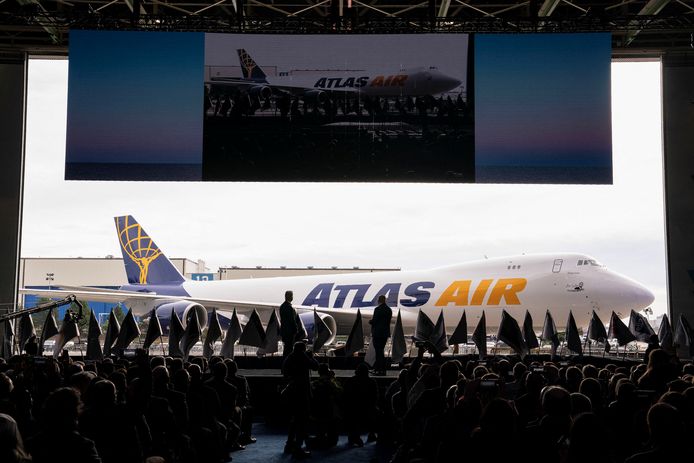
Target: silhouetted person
(667, 438)
(229, 412)
(297, 368)
(361, 405)
(289, 323)
(326, 395)
(11, 446)
(380, 332)
(243, 401)
(59, 440)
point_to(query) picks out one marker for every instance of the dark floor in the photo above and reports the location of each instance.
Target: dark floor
(270, 445)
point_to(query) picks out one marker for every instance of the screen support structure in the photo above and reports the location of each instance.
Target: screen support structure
(13, 80)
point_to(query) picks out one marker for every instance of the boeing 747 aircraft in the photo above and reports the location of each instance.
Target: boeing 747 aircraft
(558, 282)
(317, 87)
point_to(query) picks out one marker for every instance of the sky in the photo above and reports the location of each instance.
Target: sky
(542, 99)
(408, 226)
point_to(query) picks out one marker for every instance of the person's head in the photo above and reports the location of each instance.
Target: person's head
(61, 409)
(324, 370)
(688, 369)
(232, 368)
(449, 374)
(101, 394)
(665, 424)
(625, 390)
(519, 369)
(498, 418)
(590, 371)
(362, 370)
(156, 362)
(556, 401)
(11, 445)
(676, 399)
(580, 403)
(289, 296)
(658, 358)
(381, 299)
(299, 347)
(6, 385)
(181, 381)
(591, 388)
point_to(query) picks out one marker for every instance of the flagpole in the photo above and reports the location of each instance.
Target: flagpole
(161, 343)
(79, 343)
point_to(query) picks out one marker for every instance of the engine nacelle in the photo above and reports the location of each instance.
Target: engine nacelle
(307, 320)
(260, 91)
(184, 310)
(315, 96)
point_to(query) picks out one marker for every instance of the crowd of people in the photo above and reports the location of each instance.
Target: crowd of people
(437, 409)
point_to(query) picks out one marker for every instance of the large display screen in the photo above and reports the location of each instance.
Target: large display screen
(447, 108)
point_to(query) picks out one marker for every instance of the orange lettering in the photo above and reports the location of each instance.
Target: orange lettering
(398, 81)
(507, 288)
(377, 82)
(481, 290)
(456, 294)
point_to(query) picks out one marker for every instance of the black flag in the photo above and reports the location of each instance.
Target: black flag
(439, 338)
(399, 345)
(175, 335)
(233, 335)
(459, 335)
(355, 340)
(129, 331)
(510, 334)
(112, 331)
(425, 327)
(596, 329)
(6, 350)
(214, 332)
(665, 334)
(50, 329)
(573, 339)
(529, 332)
(683, 334)
(272, 335)
(154, 330)
(619, 331)
(639, 327)
(321, 332)
(68, 331)
(192, 333)
(94, 351)
(479, 336)
(26, 330)
(549, 332)
(253, 333)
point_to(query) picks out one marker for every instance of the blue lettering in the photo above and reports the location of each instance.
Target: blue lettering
(320, 83)
(361, 81)
(320, 295)
(334, 82)
(349, 82)
(344, 290)
(391, 291)
(416, 291)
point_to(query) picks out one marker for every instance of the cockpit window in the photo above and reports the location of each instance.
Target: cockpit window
(580, 261)
(589, 262)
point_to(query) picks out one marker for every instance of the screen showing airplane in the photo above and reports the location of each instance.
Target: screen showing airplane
(444, 108)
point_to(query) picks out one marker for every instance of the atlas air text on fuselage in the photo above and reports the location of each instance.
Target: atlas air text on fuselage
(363, 81)
(459, 293)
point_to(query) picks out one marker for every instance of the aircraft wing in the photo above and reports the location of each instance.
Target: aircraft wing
(142, 302)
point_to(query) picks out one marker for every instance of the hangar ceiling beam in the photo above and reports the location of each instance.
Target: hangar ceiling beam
(209, 6)
(548, 8)
(129, 3)
(50, 30)
(308, 8)
(652, 8)
(443, 9)
(173, 7)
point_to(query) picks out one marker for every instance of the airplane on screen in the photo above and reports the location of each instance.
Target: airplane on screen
(539, 282)
(318, 86)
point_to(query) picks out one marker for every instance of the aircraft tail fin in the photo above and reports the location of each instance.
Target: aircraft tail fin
(144, 261)
(249, 68)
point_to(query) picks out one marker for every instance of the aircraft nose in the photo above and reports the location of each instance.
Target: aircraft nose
(642, 296)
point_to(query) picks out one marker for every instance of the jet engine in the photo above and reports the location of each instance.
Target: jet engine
(184, 310)
(307, 320)
(315, 96)
(261, 91)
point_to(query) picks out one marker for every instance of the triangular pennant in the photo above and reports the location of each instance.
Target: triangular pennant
(529, 332)
(253, 333)
(175, 335)
(459, 335)
(94, 351)
(214, 332)
(272, 335)
(68, 331)
(510, 334)
(665, 336)
(50, 329)
(479, 336)
(549, 332)
(355, 340)
(425, 327)
(573, 338)
(154, 330)
(321, 332)
(639, 327)
(112, 331)
(438, 337)
(129, 331)
(399, 345)
(191, 334)
(233, 334)
(619, 331)
(596, 329)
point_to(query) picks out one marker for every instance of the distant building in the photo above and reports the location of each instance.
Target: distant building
(236, 273)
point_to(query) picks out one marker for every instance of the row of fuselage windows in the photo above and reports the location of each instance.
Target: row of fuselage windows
(513, 267)
(588, 262)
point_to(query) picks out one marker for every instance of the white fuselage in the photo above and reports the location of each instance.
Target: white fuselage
(536, 283)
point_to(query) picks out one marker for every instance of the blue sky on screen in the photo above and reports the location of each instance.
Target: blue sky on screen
(135, 97)
(542, 99)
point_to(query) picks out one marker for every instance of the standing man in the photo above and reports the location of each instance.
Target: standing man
(289, 328)
(380, 332)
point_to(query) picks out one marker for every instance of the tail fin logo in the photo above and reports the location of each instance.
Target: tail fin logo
(137, 245)
(247, 63)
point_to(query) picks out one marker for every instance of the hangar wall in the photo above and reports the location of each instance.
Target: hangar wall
(678, 146)
(13, 72)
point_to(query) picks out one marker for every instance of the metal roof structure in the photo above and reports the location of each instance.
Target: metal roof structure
(638, 27)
